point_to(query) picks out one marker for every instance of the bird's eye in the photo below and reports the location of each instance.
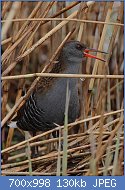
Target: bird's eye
(79, 47)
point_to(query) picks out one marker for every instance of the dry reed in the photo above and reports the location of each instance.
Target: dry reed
(29, 33)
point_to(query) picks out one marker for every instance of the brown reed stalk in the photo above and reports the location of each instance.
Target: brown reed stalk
(24, 66)
(63, 76)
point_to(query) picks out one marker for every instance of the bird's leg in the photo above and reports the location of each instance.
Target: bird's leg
(56, 135)
(34, 149)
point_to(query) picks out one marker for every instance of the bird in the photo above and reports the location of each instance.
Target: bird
(46, 105)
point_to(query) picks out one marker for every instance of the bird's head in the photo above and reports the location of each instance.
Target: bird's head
(75, 51)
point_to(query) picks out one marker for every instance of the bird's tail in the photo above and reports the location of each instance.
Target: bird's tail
(12, 124)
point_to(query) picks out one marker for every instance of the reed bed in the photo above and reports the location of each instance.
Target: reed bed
(29, 51)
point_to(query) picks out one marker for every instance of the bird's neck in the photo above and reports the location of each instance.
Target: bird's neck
(67, 67)
(72, 68)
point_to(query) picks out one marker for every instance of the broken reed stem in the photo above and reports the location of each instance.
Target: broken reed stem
(64, 19)
(101, 170)
(57, 128)
(62, 76)
(54, 155)
(70, 137)
(74, 135)
(11, 158)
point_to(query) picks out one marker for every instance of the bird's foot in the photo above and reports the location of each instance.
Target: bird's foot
(35, 155)
(34, 152)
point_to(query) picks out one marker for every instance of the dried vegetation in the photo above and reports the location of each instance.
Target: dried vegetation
(32, 35)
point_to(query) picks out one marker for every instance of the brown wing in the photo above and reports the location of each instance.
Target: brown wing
(45, 82)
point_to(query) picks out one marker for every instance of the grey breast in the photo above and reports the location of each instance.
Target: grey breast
(42, 110)
(53, 102)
